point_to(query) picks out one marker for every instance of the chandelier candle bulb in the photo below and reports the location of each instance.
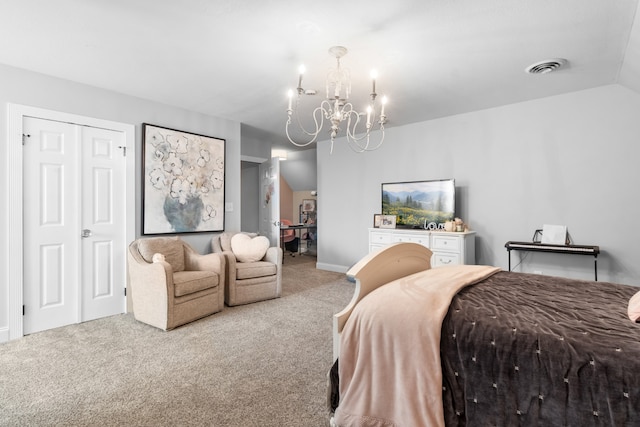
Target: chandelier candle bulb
(290, 93)
(302, 70)
(384, 101)
(374, 76)
(369, 116)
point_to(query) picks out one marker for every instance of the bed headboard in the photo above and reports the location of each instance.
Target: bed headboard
(376, 269)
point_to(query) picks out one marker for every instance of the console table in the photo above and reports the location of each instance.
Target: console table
(556, 249)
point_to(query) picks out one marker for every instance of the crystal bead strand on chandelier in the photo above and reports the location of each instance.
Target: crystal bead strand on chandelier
(337, 109)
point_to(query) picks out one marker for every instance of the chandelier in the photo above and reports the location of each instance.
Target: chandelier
(337, 110)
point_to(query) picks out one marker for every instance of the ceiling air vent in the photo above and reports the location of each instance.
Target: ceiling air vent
(546, 66)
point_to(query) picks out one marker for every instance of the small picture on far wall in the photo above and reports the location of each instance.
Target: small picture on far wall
(308, 205)
(377, 220)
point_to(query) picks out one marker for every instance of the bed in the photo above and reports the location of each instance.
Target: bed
(477, 346)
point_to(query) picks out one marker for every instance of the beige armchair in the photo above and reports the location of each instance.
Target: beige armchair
(183, 287)
(258, 279)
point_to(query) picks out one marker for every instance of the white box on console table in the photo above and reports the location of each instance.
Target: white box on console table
(449, 248)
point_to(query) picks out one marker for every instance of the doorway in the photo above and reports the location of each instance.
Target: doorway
(101, 252)
(260, 189)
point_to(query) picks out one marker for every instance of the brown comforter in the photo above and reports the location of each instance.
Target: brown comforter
(390, 371)
(530, 350)
(522, 350)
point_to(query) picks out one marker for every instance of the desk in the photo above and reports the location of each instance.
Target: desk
(556, 249)
(295, 227)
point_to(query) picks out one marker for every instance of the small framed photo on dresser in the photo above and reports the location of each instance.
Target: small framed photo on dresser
(377, 220)
(388, 221)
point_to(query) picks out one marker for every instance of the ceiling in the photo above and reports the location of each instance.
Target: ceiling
(236, 59)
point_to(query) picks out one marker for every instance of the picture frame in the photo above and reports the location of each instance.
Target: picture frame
(183, 182)
(377, 220)
(308, 205)
(388, 221)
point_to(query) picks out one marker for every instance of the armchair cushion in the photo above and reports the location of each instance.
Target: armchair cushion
(250, 270)
(188, 282)
(248, 249)
(170, 247)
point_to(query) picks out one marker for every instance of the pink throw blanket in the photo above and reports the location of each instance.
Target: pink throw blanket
(390, 372)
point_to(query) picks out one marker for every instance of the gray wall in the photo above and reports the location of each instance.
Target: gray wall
(250, 217)
(300, 170)
(27, 88)
(569, 160)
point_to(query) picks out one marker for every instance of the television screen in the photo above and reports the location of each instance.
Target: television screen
(420, 204)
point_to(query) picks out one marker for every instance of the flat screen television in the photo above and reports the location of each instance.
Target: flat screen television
(420, 204)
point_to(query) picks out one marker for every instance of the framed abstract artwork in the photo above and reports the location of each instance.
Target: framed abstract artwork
(183, 181)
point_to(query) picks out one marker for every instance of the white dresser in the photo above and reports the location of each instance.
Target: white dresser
(448, 248)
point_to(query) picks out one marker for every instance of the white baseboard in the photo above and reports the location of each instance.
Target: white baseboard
(4, 335)
(332, 267)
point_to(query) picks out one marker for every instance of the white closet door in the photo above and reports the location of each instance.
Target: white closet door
(103, 245)
(72, 178)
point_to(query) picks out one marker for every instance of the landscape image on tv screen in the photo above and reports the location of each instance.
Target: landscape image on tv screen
(417, 204)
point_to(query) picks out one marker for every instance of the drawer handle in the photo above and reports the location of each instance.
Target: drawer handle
(445, 261)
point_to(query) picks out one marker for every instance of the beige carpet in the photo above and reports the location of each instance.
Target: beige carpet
(262, 364)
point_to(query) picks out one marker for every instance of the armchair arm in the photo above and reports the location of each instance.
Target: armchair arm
(141, 271)
(151, 287)
(274, 256)
(216, 247)
(209, 262)
(230, 269)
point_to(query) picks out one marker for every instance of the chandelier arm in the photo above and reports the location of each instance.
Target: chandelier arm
(361, 149)
(315, 119)
(355, 142)
(314, 135)
(298, 144)
(351, 130)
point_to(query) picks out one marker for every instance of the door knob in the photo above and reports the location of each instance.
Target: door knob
(86, 233)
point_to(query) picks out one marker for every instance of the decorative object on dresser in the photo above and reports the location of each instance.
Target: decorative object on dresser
(388, 221)
(377, 220)
(483, 347)
(448, 248)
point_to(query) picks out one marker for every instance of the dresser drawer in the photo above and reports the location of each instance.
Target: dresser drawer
(373, 248)
(446, 243)
(440, 259)
(421, 240)
(379, 238)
